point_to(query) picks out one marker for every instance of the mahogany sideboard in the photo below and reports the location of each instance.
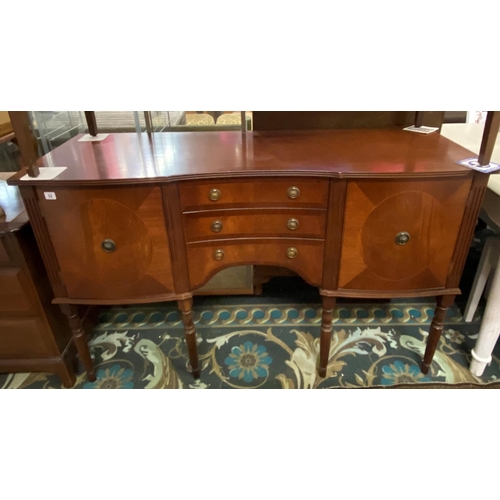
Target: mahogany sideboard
(357, 213)
(34, 334)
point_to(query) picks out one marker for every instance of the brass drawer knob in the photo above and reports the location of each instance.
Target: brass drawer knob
(217, 226)
(293, 192)
(291, 253)
(402, 238)
(292, 224)
(108, 246)
(214, 194)
(219, 254)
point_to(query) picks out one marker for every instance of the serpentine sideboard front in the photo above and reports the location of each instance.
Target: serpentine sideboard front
(357, 213)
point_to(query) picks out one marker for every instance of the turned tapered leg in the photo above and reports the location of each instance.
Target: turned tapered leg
(186, 307)
(328, 305)
(79, 338)
(442, 304)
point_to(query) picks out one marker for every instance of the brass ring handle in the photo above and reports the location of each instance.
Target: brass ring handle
(219, 254)
(402, 238)
(293, 192)
(292, 224)
(214, 194)
(108, 246)
(217, 226)
(291, 253)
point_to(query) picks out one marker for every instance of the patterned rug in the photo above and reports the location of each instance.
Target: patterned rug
(254, 344)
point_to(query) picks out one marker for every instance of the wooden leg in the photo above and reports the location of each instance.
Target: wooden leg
(79, 338)
(24, 135)
(186, 307)
(442, 304)
(490, 329)
(328, 305)
(91, 122)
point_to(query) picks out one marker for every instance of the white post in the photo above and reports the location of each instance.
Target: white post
(488, 261)
(490, 329)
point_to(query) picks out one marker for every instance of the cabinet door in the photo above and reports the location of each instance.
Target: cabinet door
(400, 235)
(111, 243)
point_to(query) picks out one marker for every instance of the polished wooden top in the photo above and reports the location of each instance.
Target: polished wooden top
(125, 158)
(12, 204)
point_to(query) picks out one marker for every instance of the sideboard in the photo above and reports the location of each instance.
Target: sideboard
(357, 213)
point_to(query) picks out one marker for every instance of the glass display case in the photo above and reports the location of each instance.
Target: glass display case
(53, 128)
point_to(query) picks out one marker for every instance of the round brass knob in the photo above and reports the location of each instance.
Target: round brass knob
(292, 224)
(291, 253)
(214, 194)
(108, 246)
(293, 192)
(217, 226)
(402, 238)
(219, 254)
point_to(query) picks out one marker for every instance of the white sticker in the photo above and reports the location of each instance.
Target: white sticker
(46, 173)
(50, 196)
(421, 130)
(93, 138)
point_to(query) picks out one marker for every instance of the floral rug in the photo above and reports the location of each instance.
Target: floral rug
(248, 342)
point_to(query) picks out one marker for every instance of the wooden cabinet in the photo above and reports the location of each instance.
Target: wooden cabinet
(14, 295)
(357, 213)
(34, 334)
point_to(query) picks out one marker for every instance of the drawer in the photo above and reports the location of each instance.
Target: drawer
(305, 257)
(24, 337)
(242, 193)
(15, 294)
(225, 224)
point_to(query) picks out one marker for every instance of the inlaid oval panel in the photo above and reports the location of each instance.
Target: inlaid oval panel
(400, 234)
(420, 216)
(111, 243)
(97, 220)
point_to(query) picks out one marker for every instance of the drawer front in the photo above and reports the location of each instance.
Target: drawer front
(111, 243)
(254, 223)
(15, 295)
(24, 337)
(400, 235)
(305, 257)
(290, 192)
